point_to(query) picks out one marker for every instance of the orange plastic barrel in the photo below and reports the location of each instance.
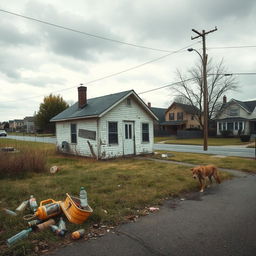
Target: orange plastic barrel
(47, 209)
(74, 213)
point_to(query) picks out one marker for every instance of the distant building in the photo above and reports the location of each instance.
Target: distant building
(237, 116)
(29, 125)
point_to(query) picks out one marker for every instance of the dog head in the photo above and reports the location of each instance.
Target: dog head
(196, 172)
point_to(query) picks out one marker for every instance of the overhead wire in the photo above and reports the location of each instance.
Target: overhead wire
(111, 75)
(84, 33)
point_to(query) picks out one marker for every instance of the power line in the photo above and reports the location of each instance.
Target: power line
(84, 33)
(161, 87)
(111, 75)
(231, 47)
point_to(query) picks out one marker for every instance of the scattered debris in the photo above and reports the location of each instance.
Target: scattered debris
(8, 149)
(57, 230)
(9, 212)
(153, 209)
(45, 224)
(164, 155)
(78, 234)
(22, 206)
(54, 169)
(22, 234)
(33, 204)
(182, 199)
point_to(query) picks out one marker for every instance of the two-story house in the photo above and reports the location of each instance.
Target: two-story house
(237, 116)
(177, 117)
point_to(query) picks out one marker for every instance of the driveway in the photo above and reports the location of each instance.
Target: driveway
(220, 221)
(214, 150)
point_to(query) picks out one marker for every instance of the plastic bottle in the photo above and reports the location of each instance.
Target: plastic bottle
(83, 198)
(24, 233)
(62, 225)
(10, 212)
(57, 230)
(22, 206)
(33, 223)
(78, 234)
(33, 204)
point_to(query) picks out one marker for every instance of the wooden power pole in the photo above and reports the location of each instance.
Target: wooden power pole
(205, 92)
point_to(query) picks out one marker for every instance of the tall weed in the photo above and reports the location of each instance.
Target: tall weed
(20, 164)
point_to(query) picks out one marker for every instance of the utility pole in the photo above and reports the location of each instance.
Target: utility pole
(205, 92)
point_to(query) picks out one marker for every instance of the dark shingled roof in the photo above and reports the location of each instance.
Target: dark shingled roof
(187, 108)
(94, 107)
(248, 105)
(160, 113)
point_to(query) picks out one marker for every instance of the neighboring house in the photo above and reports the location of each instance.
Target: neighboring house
(237, 116)
(177, 117)
(16, 125)
(29, 125)
(105, 127)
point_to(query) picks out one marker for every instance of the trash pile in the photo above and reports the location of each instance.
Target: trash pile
(76, 210)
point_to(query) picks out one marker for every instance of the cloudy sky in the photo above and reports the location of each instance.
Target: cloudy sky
(148, 42)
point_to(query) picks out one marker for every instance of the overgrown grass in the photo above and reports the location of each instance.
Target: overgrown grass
(116, 189)
(199, 141)
(237, 163)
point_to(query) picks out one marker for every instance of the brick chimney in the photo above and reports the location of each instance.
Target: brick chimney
(149, 104)
(82, 96)
(224, 99)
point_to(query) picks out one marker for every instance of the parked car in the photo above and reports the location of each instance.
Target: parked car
(3, 133)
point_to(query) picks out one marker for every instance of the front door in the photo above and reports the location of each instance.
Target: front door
(128, 138)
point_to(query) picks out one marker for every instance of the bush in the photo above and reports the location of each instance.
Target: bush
(21, 163)
(245, 138)
(227, 133)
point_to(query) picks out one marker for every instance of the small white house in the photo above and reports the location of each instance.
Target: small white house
(110, 126)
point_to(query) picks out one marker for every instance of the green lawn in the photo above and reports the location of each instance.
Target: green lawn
(199, 141)
(237, 163)
(116, 189)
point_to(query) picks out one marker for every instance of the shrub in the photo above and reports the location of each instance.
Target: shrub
(245, 138)
(21, 163)
(227, 133)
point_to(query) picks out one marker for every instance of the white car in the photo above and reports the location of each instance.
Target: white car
(3, 133)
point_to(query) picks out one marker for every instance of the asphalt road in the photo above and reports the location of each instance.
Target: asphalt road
(220, 221)
(215, 150)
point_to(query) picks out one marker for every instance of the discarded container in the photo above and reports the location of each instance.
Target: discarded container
(45, 224)
(57, 230)
(78, 234)
(33, 223)
(62, 225)
(12, 213)
(24, 233)
(54, 169)
(33, 204)
(83, 197)
(73, 213)
(47, 209)
(22, 206)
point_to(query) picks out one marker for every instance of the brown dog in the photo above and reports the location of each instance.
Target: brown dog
(203, 171)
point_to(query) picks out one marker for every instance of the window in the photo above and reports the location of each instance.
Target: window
(73, 133)
(145, 132)
(230, 126)
(171, 116)
(128, 102)
(224, 127)
(220, 126)
(192, 117)
(112, 133)
(241, 126)
(236, 126)
(180, 116)
(234, 112)
(128, 131)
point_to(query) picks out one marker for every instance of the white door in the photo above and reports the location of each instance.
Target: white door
(128, 138)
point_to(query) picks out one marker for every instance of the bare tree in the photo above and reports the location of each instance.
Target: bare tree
(191, 89)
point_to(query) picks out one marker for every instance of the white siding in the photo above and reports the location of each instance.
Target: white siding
(119, 114)
(63, 133)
